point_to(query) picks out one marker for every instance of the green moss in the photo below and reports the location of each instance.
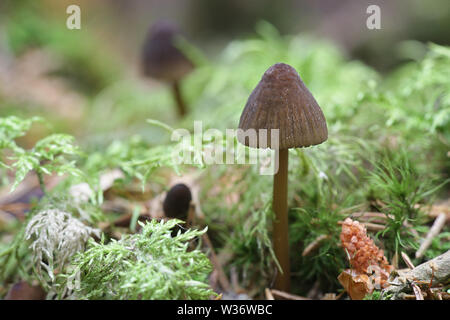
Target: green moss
(150, 265)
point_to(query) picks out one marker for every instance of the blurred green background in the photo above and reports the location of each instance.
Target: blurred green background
(107, 48)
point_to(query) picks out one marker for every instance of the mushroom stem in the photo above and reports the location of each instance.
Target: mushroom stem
(178, 98)
(280, 224)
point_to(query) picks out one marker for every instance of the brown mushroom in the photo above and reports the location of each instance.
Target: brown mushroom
(162, 60)
(282, 101)
(177, 202)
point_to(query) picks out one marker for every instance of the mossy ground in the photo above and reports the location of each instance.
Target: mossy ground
(388, 149)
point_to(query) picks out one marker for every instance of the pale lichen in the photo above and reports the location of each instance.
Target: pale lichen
(56, 236)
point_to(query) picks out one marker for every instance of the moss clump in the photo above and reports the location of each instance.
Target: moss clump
(148, 265)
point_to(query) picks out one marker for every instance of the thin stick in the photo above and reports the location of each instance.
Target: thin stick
(441, 296)
(223, 280)
(314, 290)
(280, 224)
(370, 226)
(374, 226)
(329, 296)
(286, 295)
(269, 295)
(179, 99)
(407, 260)
(315, 244)
(434, 231)
(417, 291)
(368, 214)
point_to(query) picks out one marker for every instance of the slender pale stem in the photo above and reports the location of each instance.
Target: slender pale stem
(280, 224)
(179, 98)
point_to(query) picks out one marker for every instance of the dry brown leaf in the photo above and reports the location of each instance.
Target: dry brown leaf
(356, 285)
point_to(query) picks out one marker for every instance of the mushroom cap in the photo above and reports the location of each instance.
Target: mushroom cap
(161, 59)
(177, 201)
(282, 101)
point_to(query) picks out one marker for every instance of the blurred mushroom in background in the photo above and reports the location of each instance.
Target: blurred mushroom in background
(163, 61)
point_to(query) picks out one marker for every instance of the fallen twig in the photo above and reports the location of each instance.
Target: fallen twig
(313, 292)
(417, 291)
(269, 295)
(373, 226)
(370, 215)
(433, 272)
(314, 245)
(26, 187)
(223, 280)
(434, 231)
(369, 226)
(329, 296)
(287, 296)
(440, 296)
(407, 260)
(435, 210)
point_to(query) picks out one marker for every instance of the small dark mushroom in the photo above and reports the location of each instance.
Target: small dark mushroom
(177, 202)
(162, 60)
(282, 101)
